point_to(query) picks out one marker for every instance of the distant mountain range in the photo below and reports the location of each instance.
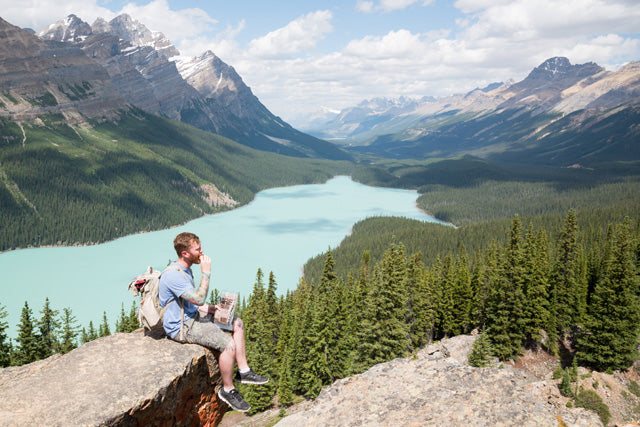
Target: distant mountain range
(92, 71)
(559, 114)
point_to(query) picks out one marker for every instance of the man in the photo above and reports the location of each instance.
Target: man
(177, 285)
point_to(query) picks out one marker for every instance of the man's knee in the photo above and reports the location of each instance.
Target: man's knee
(230, 348)
(238, 324)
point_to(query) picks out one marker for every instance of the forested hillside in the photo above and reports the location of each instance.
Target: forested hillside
(531, 287)
(65, 184)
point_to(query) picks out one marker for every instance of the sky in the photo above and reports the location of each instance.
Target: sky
(299, 57)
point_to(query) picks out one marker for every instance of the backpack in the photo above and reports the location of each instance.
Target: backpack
(146, 286)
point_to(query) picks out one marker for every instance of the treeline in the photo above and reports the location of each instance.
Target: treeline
(54, 332)
(529, 292)
(482, 213)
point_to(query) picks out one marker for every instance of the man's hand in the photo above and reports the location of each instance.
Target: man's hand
(208, 308)
(205, 264)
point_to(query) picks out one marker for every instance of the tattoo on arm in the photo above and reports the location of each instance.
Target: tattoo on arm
(198, 296)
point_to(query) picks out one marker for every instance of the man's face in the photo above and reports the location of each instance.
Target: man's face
(193, 254)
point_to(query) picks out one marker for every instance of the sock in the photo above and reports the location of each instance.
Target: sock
(244, 371)
(227, 391)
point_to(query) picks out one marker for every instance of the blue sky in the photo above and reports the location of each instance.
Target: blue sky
(301, 56)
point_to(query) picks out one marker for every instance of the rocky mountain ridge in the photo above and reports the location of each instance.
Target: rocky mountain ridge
(144, 70)
(39, 77)
(551, 91)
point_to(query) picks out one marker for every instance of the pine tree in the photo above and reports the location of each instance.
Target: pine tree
(480, 354)
(214, 296)
(536, 288)
(5, 346)
(284, 354)
(446, 298)
(384, 334)
(27, 350)
(486, 277)
(260, 347)
(505, 311)
(92, 334)
(302, 320)
(324, 336)
(565, 282)
(422, 302)
(122, 323)
(69, 331)
(103, 329)
(133, 321)
(611, 331)
(462, 296)
(47, 331)
(307, 360)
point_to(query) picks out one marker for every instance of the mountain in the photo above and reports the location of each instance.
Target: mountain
(559, 114)
(39, 77)
(150, 74)
(362, 121)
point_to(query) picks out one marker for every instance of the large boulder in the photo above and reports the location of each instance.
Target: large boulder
(121, 379)
(438, 388)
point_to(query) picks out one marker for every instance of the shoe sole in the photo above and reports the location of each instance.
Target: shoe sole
(232, 407)
(250, 382)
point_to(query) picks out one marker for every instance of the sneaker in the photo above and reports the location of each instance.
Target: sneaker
(233, 399)
(250, 378)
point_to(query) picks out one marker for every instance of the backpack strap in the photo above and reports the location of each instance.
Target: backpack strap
(180, 302)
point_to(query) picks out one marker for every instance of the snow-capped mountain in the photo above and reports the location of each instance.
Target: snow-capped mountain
(202, 91)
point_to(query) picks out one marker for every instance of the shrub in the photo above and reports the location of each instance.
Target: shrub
(565, 384)
(557, 374)
(634, 388)
(480, 354)
(590, 400)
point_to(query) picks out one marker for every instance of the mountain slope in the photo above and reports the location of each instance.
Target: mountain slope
(71, 184)
(560, 114)
(39, 77)
(202, 91)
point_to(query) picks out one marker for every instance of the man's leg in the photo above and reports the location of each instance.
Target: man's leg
(245, 374)
(226, 361)
(238, 340)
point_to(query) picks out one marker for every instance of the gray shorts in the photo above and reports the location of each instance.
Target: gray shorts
(201, 330)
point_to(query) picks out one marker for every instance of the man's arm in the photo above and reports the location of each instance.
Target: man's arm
(198, 296)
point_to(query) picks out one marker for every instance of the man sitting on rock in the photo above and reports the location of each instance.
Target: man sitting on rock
(178, 286)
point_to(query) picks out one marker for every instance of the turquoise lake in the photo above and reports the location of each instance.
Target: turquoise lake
(279, 231)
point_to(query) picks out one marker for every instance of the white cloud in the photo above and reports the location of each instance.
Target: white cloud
(300, 35)
(401, 43)
(387, 5)
(39, 14)
(364, 6)
(526, 19)
(175, 24)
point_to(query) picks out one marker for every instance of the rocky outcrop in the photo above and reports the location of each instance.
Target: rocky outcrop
(122, 379)
(439, 388)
